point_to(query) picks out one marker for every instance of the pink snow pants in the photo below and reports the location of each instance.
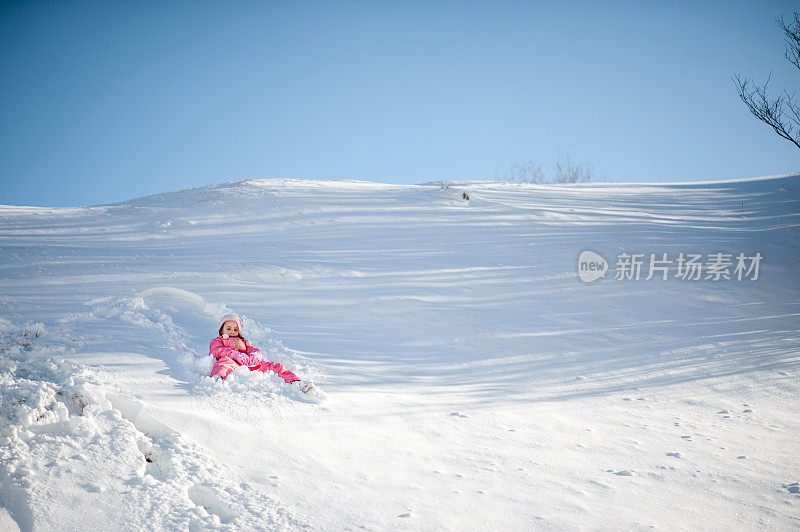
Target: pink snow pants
(224, 365)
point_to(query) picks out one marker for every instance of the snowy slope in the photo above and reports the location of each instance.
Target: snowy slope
(471, 379)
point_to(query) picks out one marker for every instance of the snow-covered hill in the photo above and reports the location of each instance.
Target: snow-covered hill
(471, 379)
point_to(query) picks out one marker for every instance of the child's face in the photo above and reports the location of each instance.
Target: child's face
(231, 328)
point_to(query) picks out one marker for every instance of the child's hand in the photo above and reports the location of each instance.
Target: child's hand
(251, 360)
(240, 358)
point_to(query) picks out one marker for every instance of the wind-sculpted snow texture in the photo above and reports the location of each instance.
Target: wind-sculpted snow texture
(471, 380)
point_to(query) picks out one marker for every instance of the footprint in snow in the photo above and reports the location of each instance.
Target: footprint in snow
(794, 487)
(676, 455)
(623, 473)
(94, 488)
(458, 414)
(205, 497)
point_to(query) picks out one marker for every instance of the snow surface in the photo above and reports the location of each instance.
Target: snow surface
(471, 380)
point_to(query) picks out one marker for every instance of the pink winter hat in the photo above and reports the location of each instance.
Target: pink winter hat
(231, 317)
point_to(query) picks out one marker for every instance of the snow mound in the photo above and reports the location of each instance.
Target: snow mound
(466, 363)
(61, 430)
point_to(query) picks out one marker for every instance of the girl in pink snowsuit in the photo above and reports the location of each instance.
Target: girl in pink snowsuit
(232, 350)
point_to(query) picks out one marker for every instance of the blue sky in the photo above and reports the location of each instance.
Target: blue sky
(106, 101)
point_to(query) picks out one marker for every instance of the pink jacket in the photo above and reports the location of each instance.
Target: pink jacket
(227, 347)
(224, 350)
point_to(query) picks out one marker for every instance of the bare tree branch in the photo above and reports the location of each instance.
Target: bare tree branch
(768, 111)
(784, 110)
(792, 33)
(792, 106)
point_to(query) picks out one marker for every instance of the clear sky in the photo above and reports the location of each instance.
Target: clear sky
(106, 101)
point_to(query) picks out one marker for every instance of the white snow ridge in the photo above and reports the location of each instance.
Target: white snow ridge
(469, 375)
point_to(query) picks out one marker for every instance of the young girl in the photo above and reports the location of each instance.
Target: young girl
(232, 350)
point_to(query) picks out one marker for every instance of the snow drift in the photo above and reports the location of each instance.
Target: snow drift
(471, 379)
